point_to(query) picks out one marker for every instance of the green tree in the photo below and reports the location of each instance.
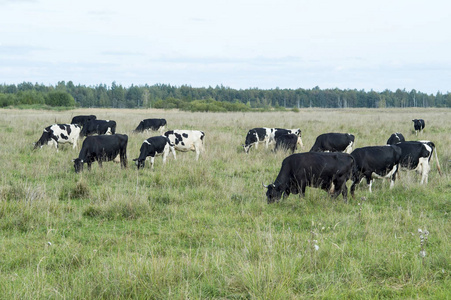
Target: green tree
(59, 98)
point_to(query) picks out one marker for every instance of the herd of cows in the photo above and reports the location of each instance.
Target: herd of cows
(103, 144)
(329, 164)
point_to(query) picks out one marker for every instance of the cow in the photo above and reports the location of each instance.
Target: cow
(375, 162)
(287, 142)
(99, 127)
(276, 132)
(154, 146)
(81, 120)
(418, 125)
(416, 155)
(59, 134)
(151, 125)
(186, 140)
(328, 171)
(102, 148)
(395, 138)
(256, 136)
(333, 142)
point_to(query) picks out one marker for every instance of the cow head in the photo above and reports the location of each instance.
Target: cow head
(44, 139)
(272, 194)
(296, 132)
(246, 148)
(139, 163)
(251, 138)
(78, 164)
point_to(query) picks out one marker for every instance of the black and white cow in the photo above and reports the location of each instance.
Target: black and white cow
(375, 162)
(418, 125)
(333, 142)
(186, 140)
(276, 132)
(154, 146)
(151, 125)
(102, 148)
(82, 119)
(256, 136)
(416, 155)
(328, 171)
(395, 138)
(287, 142)
(59, 134)
(99, 127)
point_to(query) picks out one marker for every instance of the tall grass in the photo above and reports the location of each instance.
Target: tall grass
(203, 229)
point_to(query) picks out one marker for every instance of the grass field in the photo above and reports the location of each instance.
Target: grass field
(203, 229)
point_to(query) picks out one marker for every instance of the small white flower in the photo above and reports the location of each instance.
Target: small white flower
(316, 247)
(419, 230)
(48, 243)
(422, 253)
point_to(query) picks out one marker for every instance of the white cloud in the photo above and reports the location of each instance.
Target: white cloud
(288, 43)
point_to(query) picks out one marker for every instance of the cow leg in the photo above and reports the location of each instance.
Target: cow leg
(302, 190)
(123, 156)
(353, 188)
(344, 192)
(286, 194)
(423, 168)
(197, 153)
(393, 178)
(173, 153)
(152, 159)
(165, 154)
(369, 182)
(89, 166)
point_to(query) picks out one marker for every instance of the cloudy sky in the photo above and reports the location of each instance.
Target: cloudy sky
(347, 44)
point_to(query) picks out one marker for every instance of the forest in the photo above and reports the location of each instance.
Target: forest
(213, 99)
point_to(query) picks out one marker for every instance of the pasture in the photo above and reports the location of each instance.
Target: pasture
(203, 229)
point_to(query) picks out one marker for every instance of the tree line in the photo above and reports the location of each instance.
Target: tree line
(217, 99)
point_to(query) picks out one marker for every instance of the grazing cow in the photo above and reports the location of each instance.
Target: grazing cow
(416, 156)
(395, 138)
(102, 148)
(375, 162)
(99, 127)
(154, 146)
(287, 142)
(328, 171)
(186, 140)
(81, 120)
(59, 134)
(281, 131)
(151, 124)
(418, 125)
(256, 136)
(333, 142)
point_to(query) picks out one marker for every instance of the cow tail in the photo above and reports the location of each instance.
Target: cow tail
(438, 164)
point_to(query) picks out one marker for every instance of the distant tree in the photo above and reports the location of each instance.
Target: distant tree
(59, 98)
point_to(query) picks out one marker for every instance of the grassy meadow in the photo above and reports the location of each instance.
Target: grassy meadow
(203, 230)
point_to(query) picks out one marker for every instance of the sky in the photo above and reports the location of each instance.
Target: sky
(287, 44)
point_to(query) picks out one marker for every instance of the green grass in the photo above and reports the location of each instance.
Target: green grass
(203, 229)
